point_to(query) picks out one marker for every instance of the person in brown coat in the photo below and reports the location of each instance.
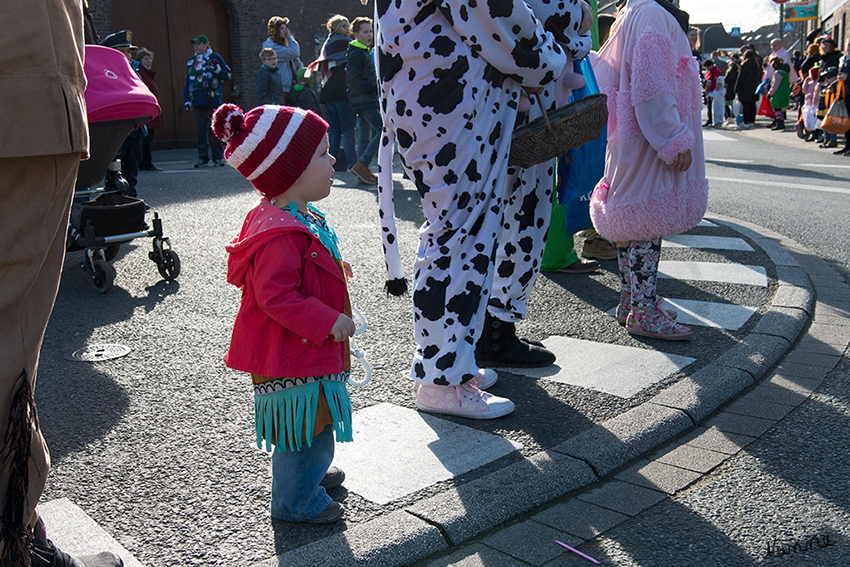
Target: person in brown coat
(44, 136)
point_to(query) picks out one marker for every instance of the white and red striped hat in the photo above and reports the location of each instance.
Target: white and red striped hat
(270, 145)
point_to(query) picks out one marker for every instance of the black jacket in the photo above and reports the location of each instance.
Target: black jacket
(748, 81)
(362, 80)
(731, 80)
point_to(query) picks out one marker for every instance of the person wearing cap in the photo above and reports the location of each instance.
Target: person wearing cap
(205, 73)
(288, 52)
(830, 56)
(44, 137)
(780, 51)
(294, 320)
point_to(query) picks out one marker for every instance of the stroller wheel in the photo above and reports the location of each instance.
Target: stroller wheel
(111, 251)
(169, 266)
(102, 275)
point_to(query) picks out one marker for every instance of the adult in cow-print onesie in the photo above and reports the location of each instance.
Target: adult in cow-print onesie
(527, 209)
(451, 73)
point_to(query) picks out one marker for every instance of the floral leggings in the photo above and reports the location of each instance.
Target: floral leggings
(639, 271)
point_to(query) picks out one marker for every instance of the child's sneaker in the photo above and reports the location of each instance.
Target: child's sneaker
(657, 323)
(466, 400)
(625, 306)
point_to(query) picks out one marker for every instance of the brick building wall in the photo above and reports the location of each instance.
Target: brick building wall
(247, 21)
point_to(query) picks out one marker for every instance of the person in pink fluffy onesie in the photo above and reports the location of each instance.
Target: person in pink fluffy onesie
(654, 184)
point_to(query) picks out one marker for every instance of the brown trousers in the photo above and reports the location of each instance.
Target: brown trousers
(35, 201)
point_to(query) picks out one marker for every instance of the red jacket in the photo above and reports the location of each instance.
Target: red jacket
(292, 293)
(149, 78)
(711, 78)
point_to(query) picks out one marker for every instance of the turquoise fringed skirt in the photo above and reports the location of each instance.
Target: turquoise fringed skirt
(284, 415)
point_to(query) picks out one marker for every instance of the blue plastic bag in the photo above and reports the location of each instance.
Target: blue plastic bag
(580, 169)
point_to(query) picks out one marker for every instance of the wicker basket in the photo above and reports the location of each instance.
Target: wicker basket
(552, 136)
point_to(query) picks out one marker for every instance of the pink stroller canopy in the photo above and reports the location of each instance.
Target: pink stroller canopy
(114, 90)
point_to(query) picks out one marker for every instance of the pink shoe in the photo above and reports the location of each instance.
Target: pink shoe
(465, 400)
(625, 306)
(657, 323)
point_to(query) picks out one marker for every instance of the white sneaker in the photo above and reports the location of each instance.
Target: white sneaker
(465, 400)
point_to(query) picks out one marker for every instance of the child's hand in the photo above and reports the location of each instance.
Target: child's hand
(343, 328)
(566, 83)
(683, 160)
(586, 18)
(346, 268)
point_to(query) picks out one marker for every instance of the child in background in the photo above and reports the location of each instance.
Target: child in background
(716, 91)
(267, 85)
(780, 91)
(810, 103)
(291, 331)
(826, 95)
(302, 95)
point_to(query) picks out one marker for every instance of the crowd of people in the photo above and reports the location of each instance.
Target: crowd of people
(792, 89)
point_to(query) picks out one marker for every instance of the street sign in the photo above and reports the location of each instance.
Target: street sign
(789, 26)
(736, 32)
(801, 11)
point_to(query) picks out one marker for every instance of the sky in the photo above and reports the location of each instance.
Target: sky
(746, 14)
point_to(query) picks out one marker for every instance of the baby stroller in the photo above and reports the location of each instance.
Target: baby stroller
(103, 218)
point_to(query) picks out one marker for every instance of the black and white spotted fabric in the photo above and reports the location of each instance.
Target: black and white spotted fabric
(450, 75)
(528, 202)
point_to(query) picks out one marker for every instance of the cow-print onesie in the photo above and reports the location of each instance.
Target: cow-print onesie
(528, 201)
(450, 75)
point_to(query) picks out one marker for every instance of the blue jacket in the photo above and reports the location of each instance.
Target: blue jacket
(203, 86)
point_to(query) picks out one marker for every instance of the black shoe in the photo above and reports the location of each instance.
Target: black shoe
(333, 478)
(500, 347)
(332, 513)
(202, 163)
(841, 151)
(45, 554)
(218, 163)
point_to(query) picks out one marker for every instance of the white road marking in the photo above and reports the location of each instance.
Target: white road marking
(713, 272)
(618, 370)
(705, 242)
(819, 188)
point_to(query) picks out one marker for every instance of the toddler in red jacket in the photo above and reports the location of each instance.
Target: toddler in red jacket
(291, 332)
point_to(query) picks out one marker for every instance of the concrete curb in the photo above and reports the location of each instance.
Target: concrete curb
(458, 515)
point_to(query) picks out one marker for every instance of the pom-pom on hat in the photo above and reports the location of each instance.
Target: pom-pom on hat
(270, 146)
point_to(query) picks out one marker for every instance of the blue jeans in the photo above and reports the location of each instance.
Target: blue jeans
(296, 493)
(827, 137)
(341, 129)
(364, 135)
(371, 114)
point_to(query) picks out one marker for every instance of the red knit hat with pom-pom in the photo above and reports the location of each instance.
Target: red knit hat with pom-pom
(270, 146)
